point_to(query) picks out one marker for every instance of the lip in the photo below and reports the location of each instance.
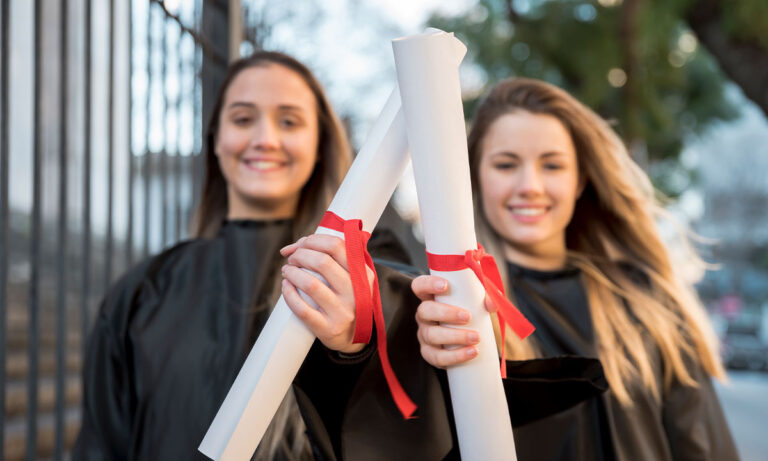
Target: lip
(528, 213)
(263, 164)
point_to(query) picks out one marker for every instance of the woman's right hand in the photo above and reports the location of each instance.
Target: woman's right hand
(442, 346)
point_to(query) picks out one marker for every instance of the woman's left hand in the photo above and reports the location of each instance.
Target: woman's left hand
(334, 322)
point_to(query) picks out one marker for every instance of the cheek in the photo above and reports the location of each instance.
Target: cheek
(566, 192)
(303, 148)
(493, 192)
(231, 142)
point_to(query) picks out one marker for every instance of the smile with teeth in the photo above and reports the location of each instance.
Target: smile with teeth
(529, 211)
(262, 164)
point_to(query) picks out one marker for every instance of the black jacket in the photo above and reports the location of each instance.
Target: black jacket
(172, 334)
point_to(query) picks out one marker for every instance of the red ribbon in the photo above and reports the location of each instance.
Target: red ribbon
(368, 304)
(486, 270)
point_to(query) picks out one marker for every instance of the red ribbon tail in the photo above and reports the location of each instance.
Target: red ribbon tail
(403, 402)
(354, 243)
(486, 270)
(368, 310)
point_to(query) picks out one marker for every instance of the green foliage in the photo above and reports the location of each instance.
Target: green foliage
(662, 88)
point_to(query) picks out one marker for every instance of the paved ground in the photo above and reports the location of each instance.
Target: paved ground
(745, 401)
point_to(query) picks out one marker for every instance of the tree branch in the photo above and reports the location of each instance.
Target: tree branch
(746, 63)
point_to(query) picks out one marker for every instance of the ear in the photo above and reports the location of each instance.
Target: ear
(215, 145)
(582, 185)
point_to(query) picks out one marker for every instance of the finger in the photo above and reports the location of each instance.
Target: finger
(325, 265)
(490, 306)
(443, 358)
(436, 312)
(289, 249)
(328, 244)
(312, 287)
(437, 335)
(425, 287)
(311, 317)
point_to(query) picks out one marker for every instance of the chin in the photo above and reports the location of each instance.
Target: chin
(526, 240)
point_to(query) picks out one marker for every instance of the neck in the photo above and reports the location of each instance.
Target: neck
(543, 259)
(261, 210)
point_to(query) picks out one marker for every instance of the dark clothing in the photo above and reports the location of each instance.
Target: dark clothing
(349, 406)
(169, 340)
(172, 334)
(557, 405)
(688, 423)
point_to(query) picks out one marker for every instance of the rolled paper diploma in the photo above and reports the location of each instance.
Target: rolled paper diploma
(284, 342)
(428, 76)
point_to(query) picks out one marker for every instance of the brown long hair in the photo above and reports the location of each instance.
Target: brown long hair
(613, 225)
(285, 437)
(334, 154)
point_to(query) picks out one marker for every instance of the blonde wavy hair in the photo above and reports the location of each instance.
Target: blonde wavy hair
(613, 224)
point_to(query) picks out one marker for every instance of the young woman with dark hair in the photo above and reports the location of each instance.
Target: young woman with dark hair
(172, 334)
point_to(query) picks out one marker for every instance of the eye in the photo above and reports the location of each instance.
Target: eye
(504, 166)
(289, 122)
(553, 166)
(242, 121)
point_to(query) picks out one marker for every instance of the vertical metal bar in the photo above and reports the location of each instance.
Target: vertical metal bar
(129, 236)
(110, 147)
(147, 150)
(164, 124)
(34, 254)
(179, 131)
(199, 131)
(85, 294)
(61, 280)
(4, 49)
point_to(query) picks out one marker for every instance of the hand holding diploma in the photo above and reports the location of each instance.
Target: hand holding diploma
(334, 322)
(427, 70)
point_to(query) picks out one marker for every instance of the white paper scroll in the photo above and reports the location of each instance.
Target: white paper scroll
(284, 342)
(428, 75)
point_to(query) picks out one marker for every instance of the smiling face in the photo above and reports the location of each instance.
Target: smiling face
(529, 183)
(267, 141)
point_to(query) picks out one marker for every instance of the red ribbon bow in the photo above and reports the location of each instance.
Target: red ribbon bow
(368, 304)
(486, 270)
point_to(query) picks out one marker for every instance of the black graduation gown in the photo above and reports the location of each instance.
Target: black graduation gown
(558, 408)
(168, 341)
(172, 334)
(687, 424)
(350, 413)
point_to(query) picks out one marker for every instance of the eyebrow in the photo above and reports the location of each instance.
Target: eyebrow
(285, 107)
(516, 156)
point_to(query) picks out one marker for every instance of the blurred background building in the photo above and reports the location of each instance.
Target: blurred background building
(103, 106)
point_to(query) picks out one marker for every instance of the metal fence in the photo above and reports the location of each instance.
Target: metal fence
(101, 109)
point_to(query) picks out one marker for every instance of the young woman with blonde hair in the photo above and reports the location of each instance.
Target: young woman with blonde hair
(558, 198)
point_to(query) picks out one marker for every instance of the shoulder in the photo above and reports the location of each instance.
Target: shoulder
(142, 284)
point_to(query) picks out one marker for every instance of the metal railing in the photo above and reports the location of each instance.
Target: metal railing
(103, 172)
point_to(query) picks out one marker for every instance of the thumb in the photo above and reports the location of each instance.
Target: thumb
(490, 306)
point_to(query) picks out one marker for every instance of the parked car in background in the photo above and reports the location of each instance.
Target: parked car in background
(743, 349)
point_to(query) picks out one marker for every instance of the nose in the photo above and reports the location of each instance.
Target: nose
(266, 135)
(530, 181)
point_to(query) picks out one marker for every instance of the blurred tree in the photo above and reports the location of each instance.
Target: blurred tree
(736, 33)
(633, 61)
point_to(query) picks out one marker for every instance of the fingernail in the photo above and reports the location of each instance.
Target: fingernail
(464, 316)
(473, 337)
(282, 269)
(471, 352)
(441, 285)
